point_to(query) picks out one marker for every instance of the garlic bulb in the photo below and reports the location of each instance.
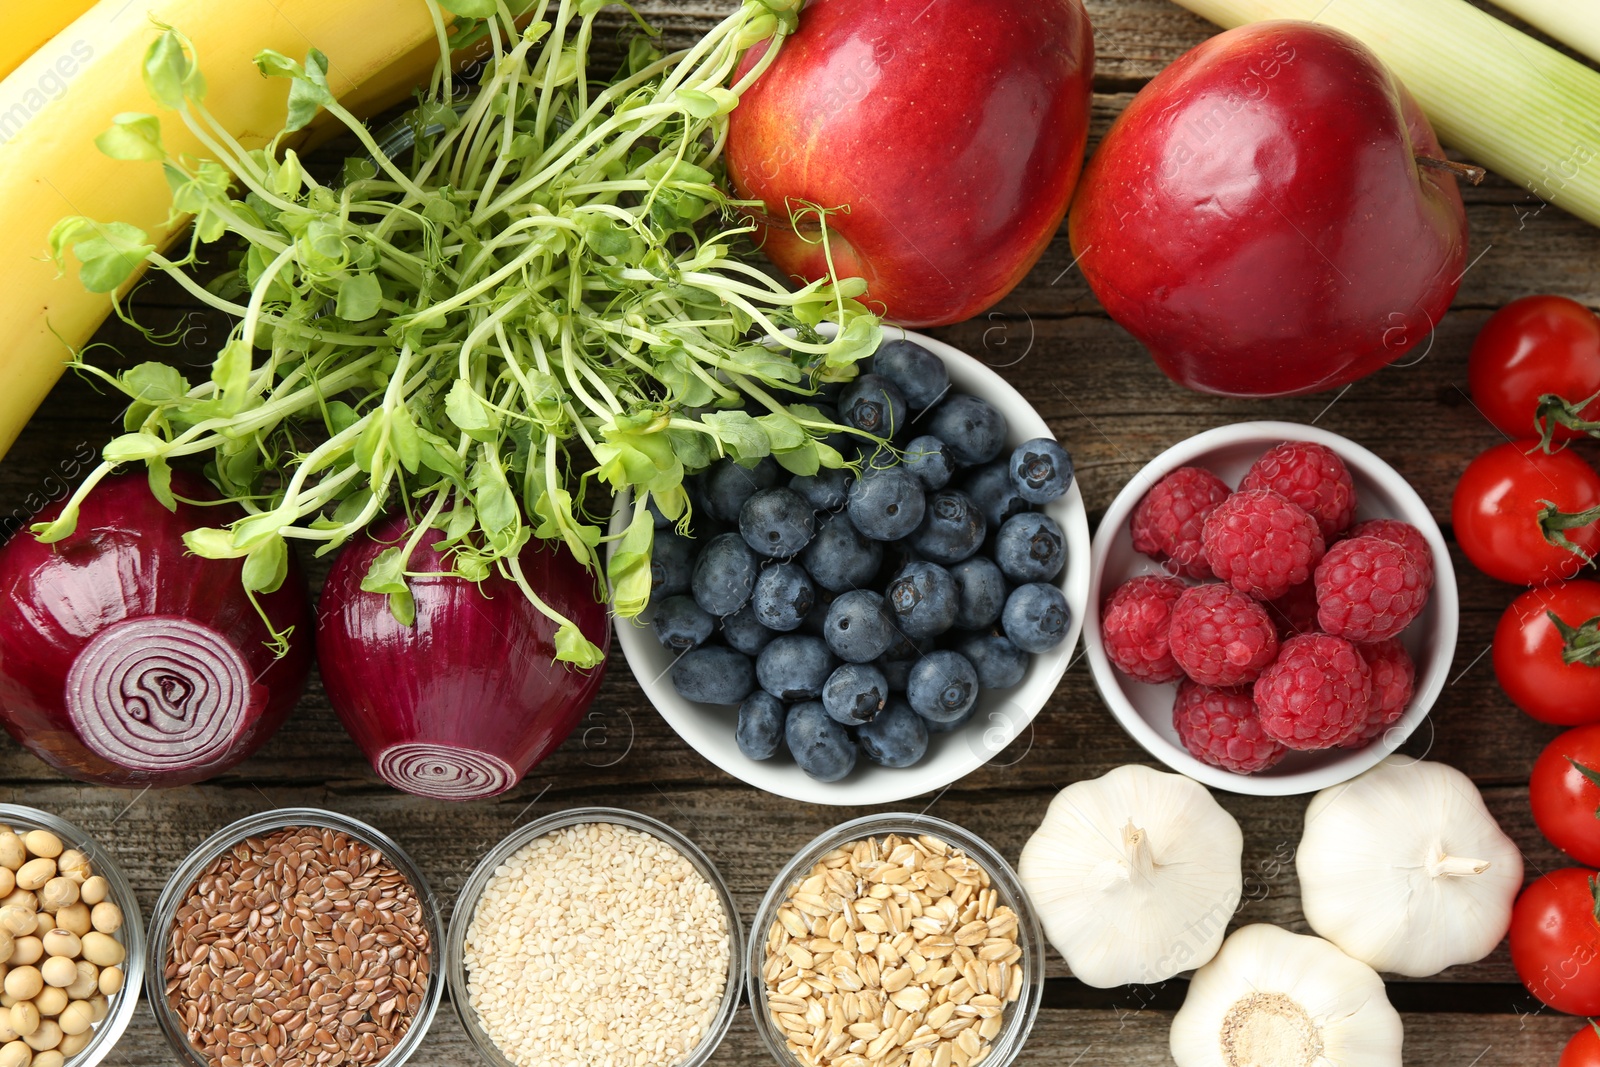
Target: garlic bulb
(1276, 999)
(1135, 875)
(1404, 868)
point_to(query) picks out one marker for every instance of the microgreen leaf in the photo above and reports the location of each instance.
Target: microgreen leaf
(574, 648)
(154, 383)
(628, 570)
(133, 446)
(403, 606)
(108, 252)
(161, 482)
(168, 73)
(739, 433)
(359, 297)
(231, 374)
(132, 136)
(212, 543)
(387, 572)
(470, 9)
(700, 105)
(469, 413)
(266, 566)
(308, 86)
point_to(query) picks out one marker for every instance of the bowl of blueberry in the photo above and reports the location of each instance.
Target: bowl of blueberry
(1272, 609)
(869, 634)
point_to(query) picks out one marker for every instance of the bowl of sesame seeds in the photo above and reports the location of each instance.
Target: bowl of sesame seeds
(595, 937)
(895, 940)
(297, 936)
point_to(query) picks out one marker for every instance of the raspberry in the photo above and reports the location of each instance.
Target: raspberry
(1134, 628)
(1166, 523)
(1312, 476)
(1261, 543)
(1221, 727)
(1295, 612)
(1393, 675)
(1406, 536)
(1317, 694)
(1368, 589)
(1221, 637)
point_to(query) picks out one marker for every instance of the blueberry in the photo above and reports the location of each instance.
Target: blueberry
(922, 600)
(825, 490)
(744, 632)
(782, 596)
(873, 404)
(970, 427)
(981, 593)
(777, 522)
(929, 460)
(952, 528)
(795, 667)
(854, 693)
(671, 565)
(1041, 470)
(858, 628)
(999, 663)
(713, 675)
(681, 624)
(1030, 548)
(728, 485)
(839, 558)
(898, 737)
(821, 747)
(920, 374)
(887, 505)
(760, 730)
(943, 686)
(724, 575)
(898, 659)
(952, 726)
(1036, 617)
(990, 488)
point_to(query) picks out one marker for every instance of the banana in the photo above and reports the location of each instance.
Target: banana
(31, 25)
(49, 167)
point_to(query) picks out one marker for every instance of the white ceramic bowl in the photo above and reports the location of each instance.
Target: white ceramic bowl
(1145, 711)
(1001, 714)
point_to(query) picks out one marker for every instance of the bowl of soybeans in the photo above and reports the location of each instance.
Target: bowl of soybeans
(71, 946)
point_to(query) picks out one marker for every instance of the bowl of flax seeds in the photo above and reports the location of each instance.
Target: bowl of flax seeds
(296, 937)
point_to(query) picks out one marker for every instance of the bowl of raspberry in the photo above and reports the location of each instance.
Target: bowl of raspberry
(1272, 608)
(873, 632)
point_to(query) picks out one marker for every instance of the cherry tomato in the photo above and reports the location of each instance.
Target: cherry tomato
(1529, 663)
(1496, 512)
(1533, 346)
(1584, 1048)
(1555, 941)
(1565, 793)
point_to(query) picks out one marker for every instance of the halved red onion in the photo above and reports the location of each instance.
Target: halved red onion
(125, 660)
(463, 702)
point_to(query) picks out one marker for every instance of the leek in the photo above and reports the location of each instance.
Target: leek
(1575, 23)
(1493, 93)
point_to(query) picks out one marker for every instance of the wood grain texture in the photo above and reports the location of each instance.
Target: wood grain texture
(1099, 392)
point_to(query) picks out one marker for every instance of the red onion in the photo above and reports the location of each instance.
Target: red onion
(124, 660)
(463, 702)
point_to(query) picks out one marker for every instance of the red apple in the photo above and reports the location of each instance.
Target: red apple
(1259, 217)
(952, 130)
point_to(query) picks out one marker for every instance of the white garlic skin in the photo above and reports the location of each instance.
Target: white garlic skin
(1344, 1014)
(1405, 869)
(1141, 911)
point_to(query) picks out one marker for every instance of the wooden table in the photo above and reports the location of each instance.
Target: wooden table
(1103, 396)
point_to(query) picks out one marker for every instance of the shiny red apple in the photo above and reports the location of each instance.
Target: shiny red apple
(949, 133)
(1260, 218)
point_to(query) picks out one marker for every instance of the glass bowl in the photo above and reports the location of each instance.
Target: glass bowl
(122, 1006)
(1019, 1017)
(472, 892)
(188, 872)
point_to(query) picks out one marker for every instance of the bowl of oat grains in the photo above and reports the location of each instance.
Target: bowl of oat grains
(297, 936)
(895, 939)
(595, 937)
